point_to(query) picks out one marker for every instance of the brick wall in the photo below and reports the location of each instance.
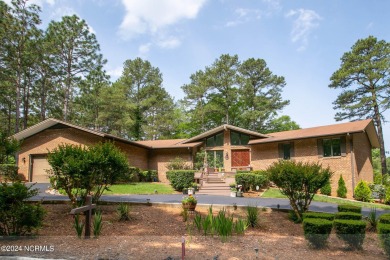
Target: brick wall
(49, 139)
(263, 155)
(159, 159)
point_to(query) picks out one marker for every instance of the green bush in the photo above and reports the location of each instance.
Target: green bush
(260, 180)
(299, 182)
(148, 176)
(327, 189)
(251, 179)
(132, 175)
(293, 217)
(352, 232)
(348, 215)
(387, 195)
(181, 179)
(384, 218)
(9, 172)
(178, 164)
(16, 216)
(384, 236)
(349, 208)
(244, 179)
(317, 231)
(322, 215)
(362, 191)
(252, 216)
(341, 189)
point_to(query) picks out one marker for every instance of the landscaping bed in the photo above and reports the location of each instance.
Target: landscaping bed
(155, 233)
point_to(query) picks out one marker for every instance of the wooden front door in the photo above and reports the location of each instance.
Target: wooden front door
(240, 158)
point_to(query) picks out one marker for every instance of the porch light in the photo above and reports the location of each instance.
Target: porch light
(227, 156)
(24, 160)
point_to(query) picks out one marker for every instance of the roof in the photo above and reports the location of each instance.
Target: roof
(170, 143)
(366, 126)
(221, 128)
(52, 122)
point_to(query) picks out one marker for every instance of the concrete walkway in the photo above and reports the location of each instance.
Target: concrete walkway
(202, 200)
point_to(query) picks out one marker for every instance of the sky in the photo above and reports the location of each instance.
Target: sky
(302, 41)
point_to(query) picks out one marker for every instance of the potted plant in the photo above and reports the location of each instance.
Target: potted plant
(185, 190)
(189, 202)
(239, 191)
(233, 192)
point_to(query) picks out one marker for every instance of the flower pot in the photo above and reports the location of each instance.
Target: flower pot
(189, 206)
(191, 191)
(239, 194)
(233, 194)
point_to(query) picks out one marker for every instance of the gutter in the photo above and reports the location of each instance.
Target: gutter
(352, 163)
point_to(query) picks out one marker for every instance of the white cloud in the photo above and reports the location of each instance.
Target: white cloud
(36, 2)
(306, 21)
(170, 42)
(149, 16)
(144, 49)
(115, 73)
(62, 11)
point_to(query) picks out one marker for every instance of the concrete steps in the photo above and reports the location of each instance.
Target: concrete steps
(214, 185)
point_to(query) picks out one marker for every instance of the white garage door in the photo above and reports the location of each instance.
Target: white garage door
(39, 167)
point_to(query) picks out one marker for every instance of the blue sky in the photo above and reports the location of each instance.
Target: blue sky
(300, 40)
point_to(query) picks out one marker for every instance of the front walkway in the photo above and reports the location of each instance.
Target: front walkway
(202, 200)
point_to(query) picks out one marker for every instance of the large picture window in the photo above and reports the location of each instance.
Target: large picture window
(332, 147)
(238, 138)
(215, 159)
(216, 140)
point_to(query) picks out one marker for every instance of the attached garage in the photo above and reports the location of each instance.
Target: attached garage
(39, 168)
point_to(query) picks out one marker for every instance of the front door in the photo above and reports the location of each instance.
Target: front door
(240, 158)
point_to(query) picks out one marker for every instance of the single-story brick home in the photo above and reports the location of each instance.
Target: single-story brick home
(345, 148)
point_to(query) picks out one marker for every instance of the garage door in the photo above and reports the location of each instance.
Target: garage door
(39, 167)
(240, 158)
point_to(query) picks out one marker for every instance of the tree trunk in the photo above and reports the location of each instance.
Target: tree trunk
(378, 122)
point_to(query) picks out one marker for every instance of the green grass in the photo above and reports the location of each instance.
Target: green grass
(140, 188)
(275, 193)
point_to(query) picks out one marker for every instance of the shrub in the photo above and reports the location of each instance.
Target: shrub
(260, 180)
(240, 226)
(317, 231)
(299, 182)
(384, 236)
(293, 217)
(244, 179)
(378, 191)
(148, 176)
(252, 179)
(81, 171)
(372, 219)
(9, 172)
(181, 179)
(322, 215)
(362, 191)
(132, 175)
(178, 164)
(384, 218)
(327, 189)
(17, 217)
(351, 231)
(348, 215)
(349, 208)
(387, 195)
(341, 189)
(78, 226)
(223, 225)
(97, 224)
(252, 216)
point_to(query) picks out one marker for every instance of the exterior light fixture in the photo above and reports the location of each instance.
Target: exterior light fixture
(226, 156)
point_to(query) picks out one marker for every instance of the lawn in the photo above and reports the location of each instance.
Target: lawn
(275, 193)
(140, 188)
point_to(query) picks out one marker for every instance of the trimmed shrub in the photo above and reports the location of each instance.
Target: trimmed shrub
(384, 218)
(387, 195)
(362, 192)
(348, 215)
(259, 179)
(17, 217)
(244, 179)
(132, 175)
(181, 179)
(148, 176)
(352, 232)
(342, 189)
(384, 236)
(178, 164)
(322, 215)
(249, 180)
(317, 231)
(349, 208)
(327, 189)
(9, 172)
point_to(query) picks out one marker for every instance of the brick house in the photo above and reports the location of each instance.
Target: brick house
(345, 148)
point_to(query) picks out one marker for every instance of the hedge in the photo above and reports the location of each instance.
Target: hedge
(9, 172)
(348, 215)
(321, 215)
(317, 231)
(352, 232)
(384, 218)
(384, 235)
(148, 176)
(181, 179)
(349, 208)
(252, 179)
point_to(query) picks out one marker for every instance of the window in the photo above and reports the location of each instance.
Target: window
(286, 151)
(332, 147)
(215, 159)
(238, 138)
(216, 140)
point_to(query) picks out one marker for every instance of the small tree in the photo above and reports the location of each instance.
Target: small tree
(327, 189)
(83, 171)
(362, 191)
(299, 182)
(341, 189)
(178, 164)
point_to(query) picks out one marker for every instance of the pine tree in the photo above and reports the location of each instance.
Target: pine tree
(341, 189)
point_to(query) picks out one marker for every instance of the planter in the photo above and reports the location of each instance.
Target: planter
(239, 194)
(191, 191)
(233, 194)
(189, 206)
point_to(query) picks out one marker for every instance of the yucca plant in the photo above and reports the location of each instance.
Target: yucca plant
(252, 216)
(97, 224)
(198, 221)
(372, 219)
(240, 225)
(123, 212)
(78, 225)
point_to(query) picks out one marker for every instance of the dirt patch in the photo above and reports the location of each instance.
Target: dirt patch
(156, 232)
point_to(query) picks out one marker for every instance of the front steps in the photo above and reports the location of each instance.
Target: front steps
(215, 185)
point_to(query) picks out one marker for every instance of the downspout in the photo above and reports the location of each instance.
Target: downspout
(352, 164)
